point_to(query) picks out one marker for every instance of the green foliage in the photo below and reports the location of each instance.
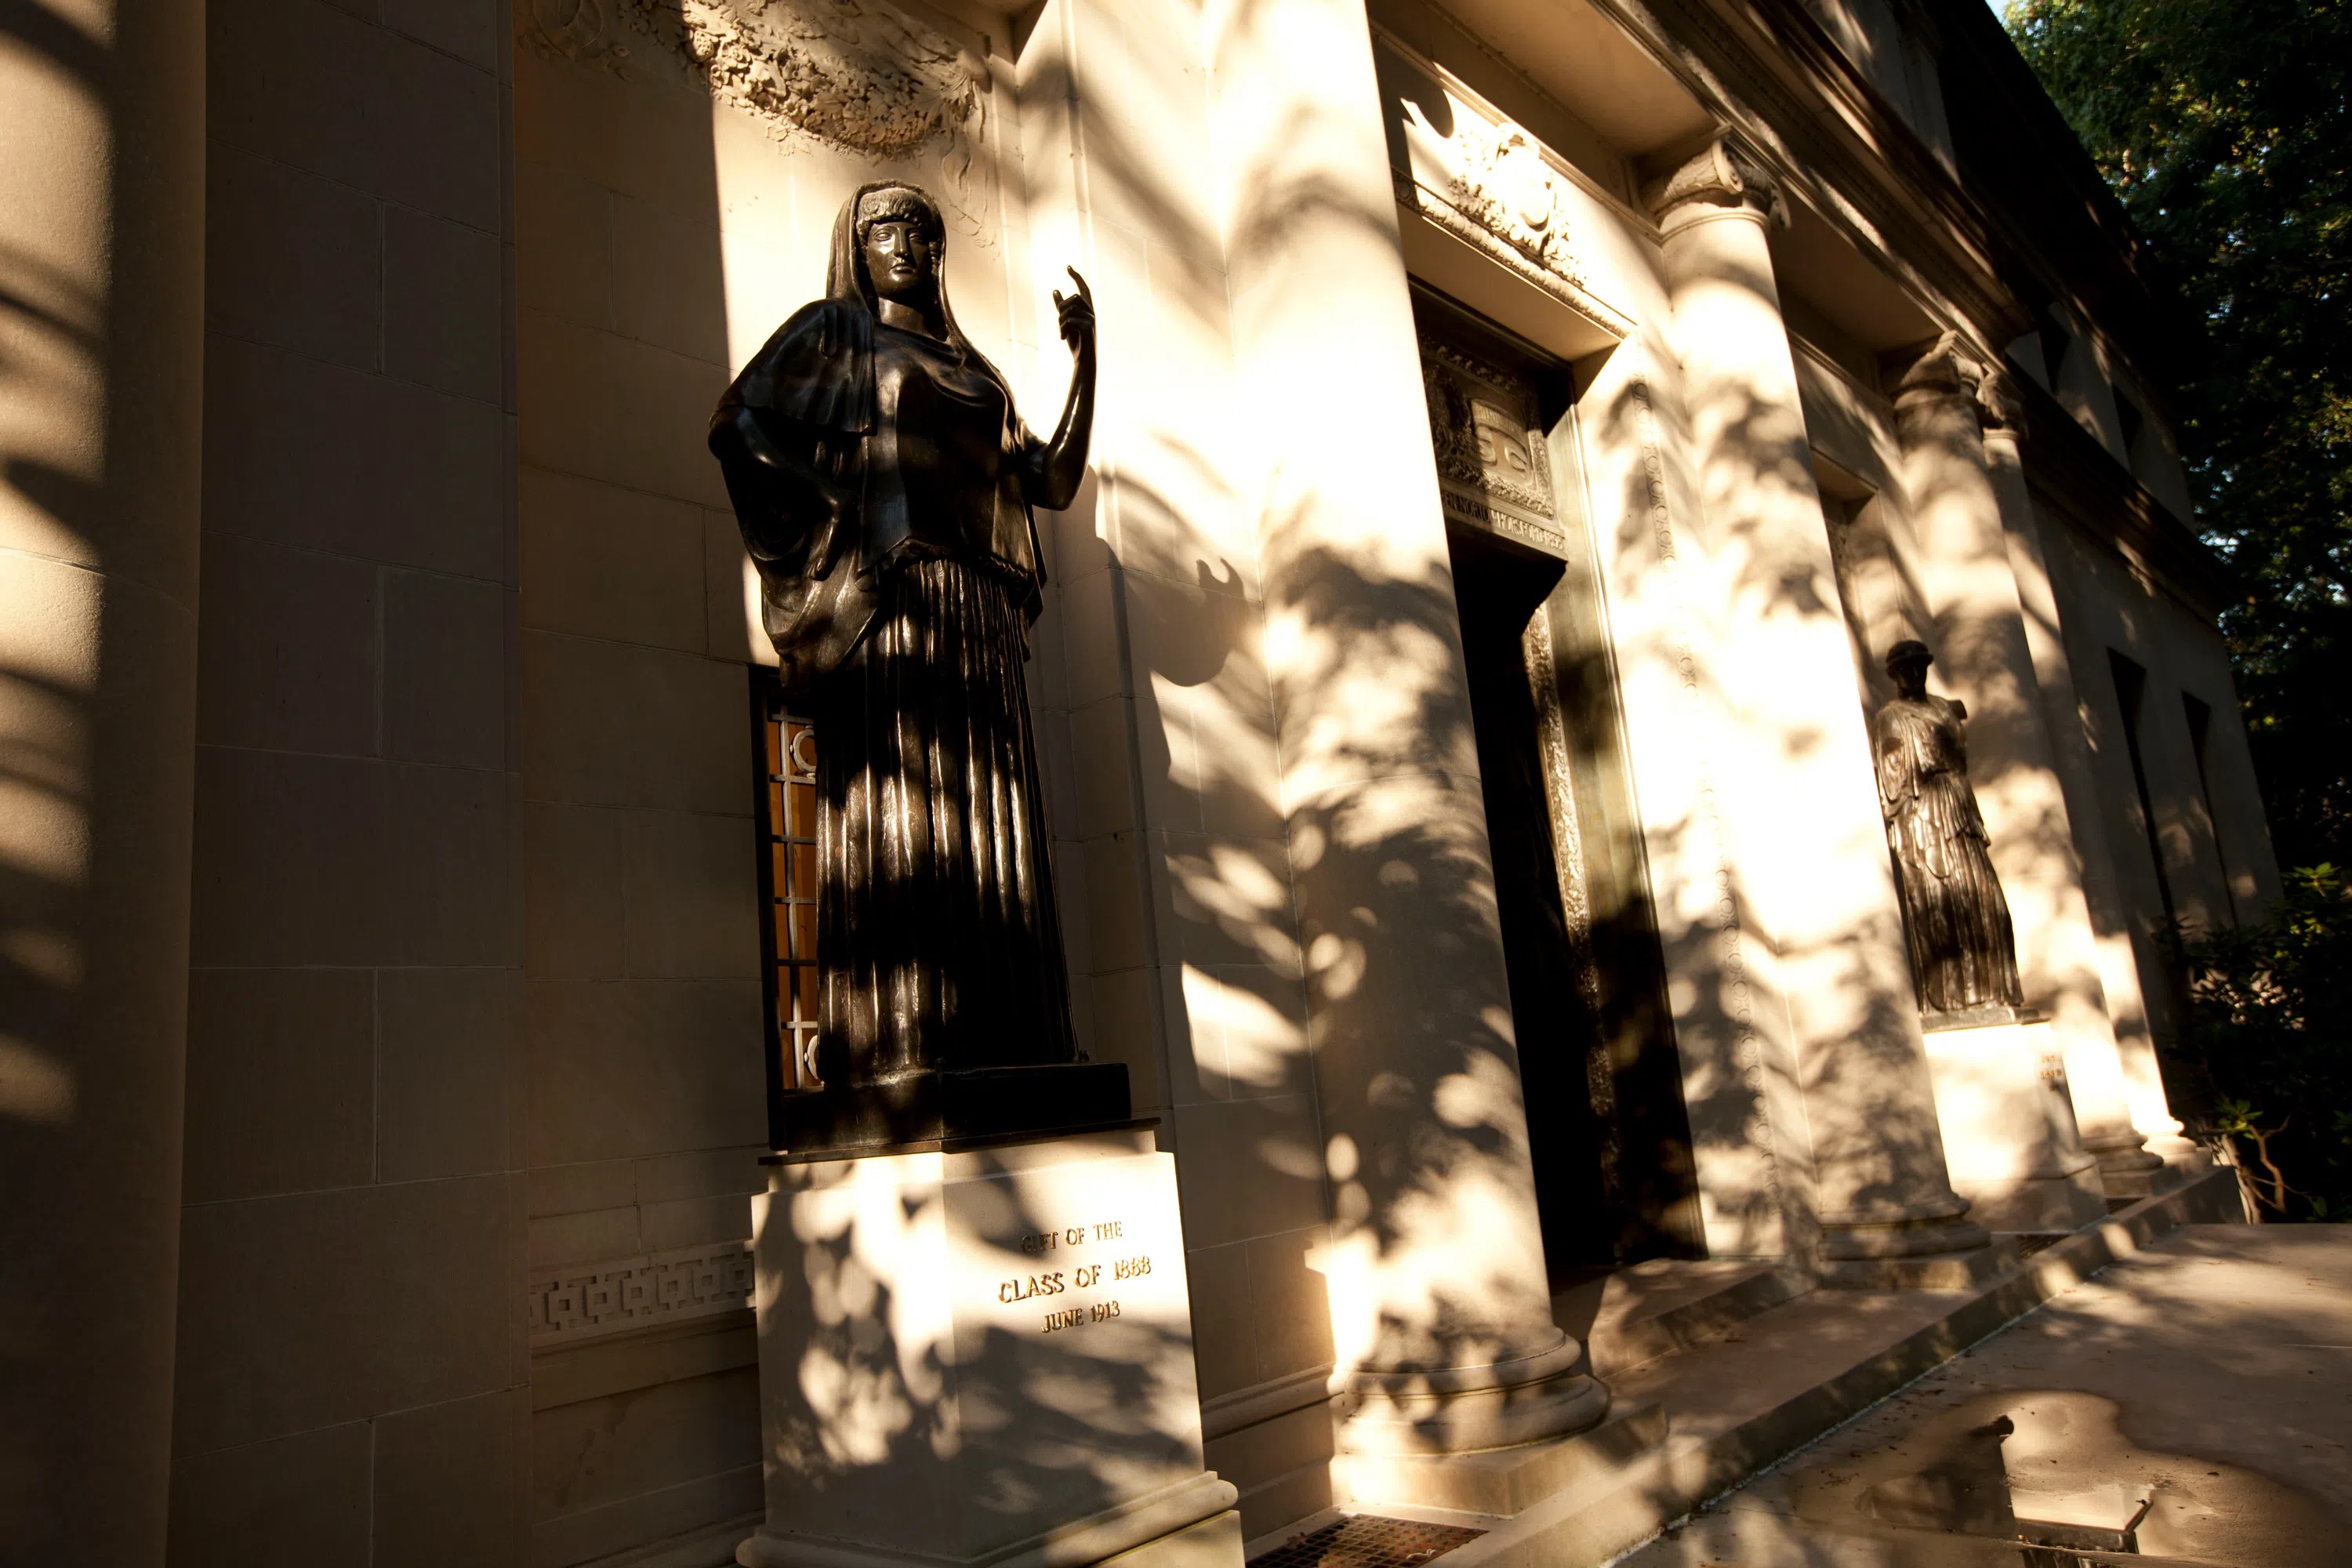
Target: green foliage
(2223, 126)
(2265, 1041)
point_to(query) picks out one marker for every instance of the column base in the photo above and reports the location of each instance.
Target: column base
(2127, 1167)
(1453, 1410)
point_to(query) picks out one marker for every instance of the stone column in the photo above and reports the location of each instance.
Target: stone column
(101, 319)
(1806, 842)
(1440, 1310)
(2118, 1093)
(1981, 658)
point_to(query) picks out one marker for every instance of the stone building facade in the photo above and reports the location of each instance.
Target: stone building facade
(1524, 429)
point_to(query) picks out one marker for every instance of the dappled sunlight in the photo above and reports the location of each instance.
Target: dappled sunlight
(963, 1353)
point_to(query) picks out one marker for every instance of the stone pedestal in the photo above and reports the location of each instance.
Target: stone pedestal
(2009, 1138)
(983, 1357)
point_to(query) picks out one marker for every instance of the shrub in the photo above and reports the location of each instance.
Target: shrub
(2266, 1046)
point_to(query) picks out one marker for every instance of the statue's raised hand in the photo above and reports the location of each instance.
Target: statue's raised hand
(1077, 313)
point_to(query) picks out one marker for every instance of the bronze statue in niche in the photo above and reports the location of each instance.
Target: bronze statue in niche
(1963, 949)
(882, 482)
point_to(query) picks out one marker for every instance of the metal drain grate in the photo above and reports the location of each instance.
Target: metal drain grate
(2029, 1242)
(1365, 1540)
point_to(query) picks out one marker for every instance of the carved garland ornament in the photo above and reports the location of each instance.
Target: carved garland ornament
(1501, 195)
(1503, 184)
(853, 74)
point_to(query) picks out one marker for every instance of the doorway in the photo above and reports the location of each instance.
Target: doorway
(1610, 1139)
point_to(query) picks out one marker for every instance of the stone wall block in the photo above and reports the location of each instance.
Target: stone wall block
(317, 455)
(448, 1072)
(608, 724)
(1120, 1005)
(572, 901)
(445, 647)
(298, 260)
(649, 139)
(1250, 1168)
(563, 228)
(667, 1459)
(1224, 1352)
(469, 29)
(1104, 799)
(307, 860)
(377, 1299)
(619, 564)
(1117, 889)
(444, 304)
(281, 1071)
(289, 662)
(1290, 1311)
(643, 1066)
(285, 1503)
(691, 898)
(615, 409)
(449, 1481)
(668, 286)
(327, 91)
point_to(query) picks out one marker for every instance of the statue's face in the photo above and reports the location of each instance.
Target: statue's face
(1910, 677)
(903, 262)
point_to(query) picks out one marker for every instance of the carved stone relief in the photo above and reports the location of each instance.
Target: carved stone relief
(852, 73)
(591, 1301)
(1493, 470)
(1492, 186)
(1502, 184)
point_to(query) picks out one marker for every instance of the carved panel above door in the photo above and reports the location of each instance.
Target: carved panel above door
(1492, 466)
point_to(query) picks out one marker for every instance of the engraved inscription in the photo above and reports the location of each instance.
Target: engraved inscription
(1074, 1276)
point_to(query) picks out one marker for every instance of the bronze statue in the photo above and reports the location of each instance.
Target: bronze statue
(1963, 949)
(884, 481)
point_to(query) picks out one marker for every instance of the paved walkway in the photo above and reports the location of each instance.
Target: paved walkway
(2192, 1402)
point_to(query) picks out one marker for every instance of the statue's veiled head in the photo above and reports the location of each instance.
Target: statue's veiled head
(889, 247)
(899, 240)
(1907, 662)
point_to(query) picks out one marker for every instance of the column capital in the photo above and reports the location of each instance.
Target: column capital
(1725, 173)
(2000, 405)
(1943, 369)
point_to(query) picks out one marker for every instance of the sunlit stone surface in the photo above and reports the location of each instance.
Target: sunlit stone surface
(981, 1357)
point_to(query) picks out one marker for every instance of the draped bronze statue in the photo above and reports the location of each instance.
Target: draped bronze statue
(1963, 949)
(882, 482)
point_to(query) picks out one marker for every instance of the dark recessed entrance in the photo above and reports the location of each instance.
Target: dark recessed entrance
(1610, 1142)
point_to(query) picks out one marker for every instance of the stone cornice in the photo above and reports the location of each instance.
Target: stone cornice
(1878, 183)
(2074, 470)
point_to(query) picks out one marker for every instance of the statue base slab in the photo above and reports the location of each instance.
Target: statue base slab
(931, 1109)
(981, 1357)
(2009, 1138)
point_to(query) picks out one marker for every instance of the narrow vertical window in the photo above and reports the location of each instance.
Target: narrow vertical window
(788, 888)
(2131, 692)
(2200, 725)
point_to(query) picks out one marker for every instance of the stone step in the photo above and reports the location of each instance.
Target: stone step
(1749, 1538)
(1633, 1315)
(1741, 1399)
(1502, 1481)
